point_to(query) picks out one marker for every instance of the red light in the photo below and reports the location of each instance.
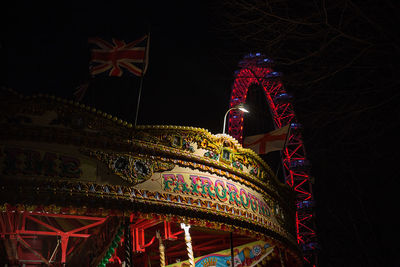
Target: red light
(282, 114)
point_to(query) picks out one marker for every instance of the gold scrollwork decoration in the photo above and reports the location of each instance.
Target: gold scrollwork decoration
(132, 169)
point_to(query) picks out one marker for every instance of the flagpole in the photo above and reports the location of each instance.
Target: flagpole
(287, 137)
(138, 102)
(142, 77)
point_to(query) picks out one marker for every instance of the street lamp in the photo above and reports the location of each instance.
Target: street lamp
(240, 107)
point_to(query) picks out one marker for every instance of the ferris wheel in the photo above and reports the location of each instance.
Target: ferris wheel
(256, 69)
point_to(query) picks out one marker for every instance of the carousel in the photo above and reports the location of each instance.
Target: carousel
(80, 187)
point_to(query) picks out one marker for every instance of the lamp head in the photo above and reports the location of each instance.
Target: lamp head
(242, 107)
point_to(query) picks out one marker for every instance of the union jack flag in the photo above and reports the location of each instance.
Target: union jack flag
(112, 57)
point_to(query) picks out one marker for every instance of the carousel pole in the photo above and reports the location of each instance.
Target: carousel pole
(281, 258)
(162, 249)
(128, 244)
(188, 241)
(232, 254)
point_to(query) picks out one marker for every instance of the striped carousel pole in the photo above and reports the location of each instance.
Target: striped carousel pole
(188, 241)
(162, 249)
(128, 244)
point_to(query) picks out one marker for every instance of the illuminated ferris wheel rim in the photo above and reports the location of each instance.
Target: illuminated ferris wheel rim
(256, 69)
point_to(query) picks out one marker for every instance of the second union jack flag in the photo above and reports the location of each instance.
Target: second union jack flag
(112, 58)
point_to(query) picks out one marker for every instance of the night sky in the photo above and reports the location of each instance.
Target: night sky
(354, 159)
(186, 83)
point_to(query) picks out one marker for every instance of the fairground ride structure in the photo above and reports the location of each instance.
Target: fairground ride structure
(256, 69)
(80, 187)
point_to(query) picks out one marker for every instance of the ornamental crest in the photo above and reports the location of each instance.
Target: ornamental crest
(132, 169)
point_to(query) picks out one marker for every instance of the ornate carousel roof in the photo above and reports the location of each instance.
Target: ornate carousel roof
(72, 158)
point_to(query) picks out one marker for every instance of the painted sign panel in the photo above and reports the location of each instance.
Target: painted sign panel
(35, 162)
(223, 194)
(55, 162)
(216, 189)
(244, 256)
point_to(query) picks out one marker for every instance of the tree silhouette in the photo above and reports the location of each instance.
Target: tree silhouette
(340, 60)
